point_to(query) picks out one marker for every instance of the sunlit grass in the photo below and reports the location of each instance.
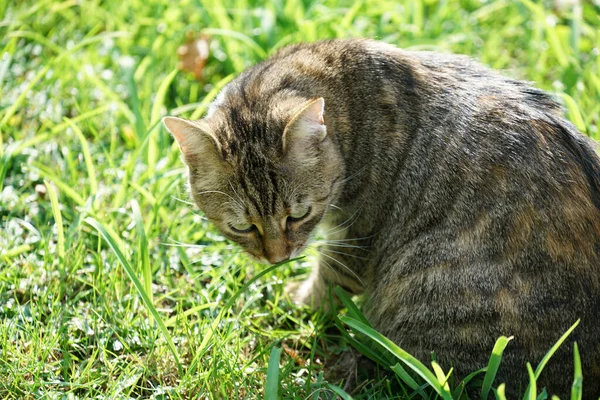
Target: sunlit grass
(100, 293)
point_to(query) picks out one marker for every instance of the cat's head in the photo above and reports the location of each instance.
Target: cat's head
(264, 179)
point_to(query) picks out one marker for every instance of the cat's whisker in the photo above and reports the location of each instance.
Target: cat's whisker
(354, 175)
(191, 246)
(331, 205)
(223, 193)
(343, 228)
(335, 271)
(349, 239)
(345, 240)
(236, 193)
(328, 232)
(343, 265)
(345, 254)
(201, 216)
(231, 253)
(177, 243)
(350, 246)
(183, 201)
(292, 193)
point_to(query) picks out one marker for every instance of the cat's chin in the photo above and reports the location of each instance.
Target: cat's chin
(263, 261)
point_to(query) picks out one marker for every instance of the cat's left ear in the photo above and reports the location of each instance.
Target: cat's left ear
(193, 138)
(306, 128)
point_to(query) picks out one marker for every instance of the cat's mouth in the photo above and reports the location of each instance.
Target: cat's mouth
(297, 251)
(262, 259)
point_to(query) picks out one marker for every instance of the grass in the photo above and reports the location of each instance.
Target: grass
(111, 284)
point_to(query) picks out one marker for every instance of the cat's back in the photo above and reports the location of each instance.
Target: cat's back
(491, 220)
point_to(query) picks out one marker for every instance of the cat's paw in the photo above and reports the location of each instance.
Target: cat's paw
(306, 293)
(298, 295)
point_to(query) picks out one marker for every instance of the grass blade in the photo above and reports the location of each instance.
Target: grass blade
(364, 349)
(353, 310)
(5, 160)
(138, 286)
(173, 320)
(401, 354)
(577, 388)
(63, 186)
(500, 392)
(60, 242)
(531, 392)
(339, 391)
(6, 255)
(159, 99)
(87, 157)
(406, 378)
(239, 36)
(574, 112)
(272, 386)
(550, 353)
(460, 388)
(159, 102)
(199, 110)
(143, 256)
(22, 96)
(493, 365)
(441, 376)
(208, 337)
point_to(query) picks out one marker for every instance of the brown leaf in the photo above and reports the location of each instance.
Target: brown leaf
(193, 54)
(295, 355)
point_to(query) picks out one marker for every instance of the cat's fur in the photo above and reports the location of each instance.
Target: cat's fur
(461, 202)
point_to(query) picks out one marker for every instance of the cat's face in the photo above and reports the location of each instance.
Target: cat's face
(266, 195)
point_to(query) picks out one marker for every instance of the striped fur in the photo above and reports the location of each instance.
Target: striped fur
(460, 201)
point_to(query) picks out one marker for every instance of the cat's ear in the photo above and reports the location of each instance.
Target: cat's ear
(306, 129)
(193, 138)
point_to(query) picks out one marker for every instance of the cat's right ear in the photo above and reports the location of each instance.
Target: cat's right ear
(193, 139)
(305, 131)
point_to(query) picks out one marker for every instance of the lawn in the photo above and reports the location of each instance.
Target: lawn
(112, 284)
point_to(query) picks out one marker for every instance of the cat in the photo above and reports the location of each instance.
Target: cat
(460, 202)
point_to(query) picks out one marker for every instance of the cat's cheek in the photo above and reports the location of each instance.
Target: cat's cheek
(248, 246)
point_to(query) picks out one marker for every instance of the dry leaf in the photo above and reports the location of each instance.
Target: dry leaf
(193, 54)
(295, 355)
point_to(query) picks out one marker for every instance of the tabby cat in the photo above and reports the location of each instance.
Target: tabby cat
(461, 202)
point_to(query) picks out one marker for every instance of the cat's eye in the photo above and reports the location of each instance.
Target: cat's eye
(241, 227)
(299, 213)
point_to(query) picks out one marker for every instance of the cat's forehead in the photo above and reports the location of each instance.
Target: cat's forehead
(244, 112)
(249, 129)
(264, 187)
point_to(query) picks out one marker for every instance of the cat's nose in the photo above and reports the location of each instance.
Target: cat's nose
(276, 251)
(276, 247)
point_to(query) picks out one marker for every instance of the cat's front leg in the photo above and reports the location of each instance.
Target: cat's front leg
(328, 273)
(311, 292)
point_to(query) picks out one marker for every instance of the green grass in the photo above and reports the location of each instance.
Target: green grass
(111, 284)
